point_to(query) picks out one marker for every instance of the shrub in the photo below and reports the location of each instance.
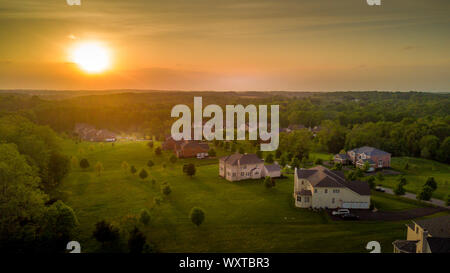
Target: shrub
(197, 216)
(105, 232)
(158, 151)
(143, 174)
(425, 194)
(133, 169)
(150, 163)
(84, 163)
(165, 189)
(268, 182)
(431, 183)
(136, 241)
(189, 169)
(157, 201)
(150, 144)
(145, 217)
(269, 158)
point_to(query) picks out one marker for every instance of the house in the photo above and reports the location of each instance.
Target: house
(273, 170)
(90, 133)
(374, 157)
(238, 167)
(426, 236)
(344, 159)
(319, 187)
(191, 149)
(170, 144)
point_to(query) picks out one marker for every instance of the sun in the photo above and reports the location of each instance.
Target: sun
(91, 57)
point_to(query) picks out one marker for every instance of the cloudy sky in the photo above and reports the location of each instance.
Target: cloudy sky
(310, 45)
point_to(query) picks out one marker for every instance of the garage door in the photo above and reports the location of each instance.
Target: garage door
(355, 205)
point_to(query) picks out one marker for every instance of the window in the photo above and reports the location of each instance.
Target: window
(302, 182)
(336, 191)
(332, 201)
(299, 198)
(326, 190)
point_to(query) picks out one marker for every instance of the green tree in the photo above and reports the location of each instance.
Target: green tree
(166, 189)
(189, 169)
(150, 163)
(268, 182)
(145, 217)
(283, 160)
(84, 163)
(98, 168)
(371, 182)
(425, 194)
(269, 158)
(133, 169)
(136, 241)
(431, 183)
(143, 174)
(197, 216)
(158, 151)
(278, 153)
(105, 232)
(400, 190)
(150, 144)
(443, 154)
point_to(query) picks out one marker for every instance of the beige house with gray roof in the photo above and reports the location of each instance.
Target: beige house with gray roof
(238, 167)
(319, 187)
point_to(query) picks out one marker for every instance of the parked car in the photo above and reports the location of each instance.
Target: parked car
(349, 216)
(340, 212)
(380, 189)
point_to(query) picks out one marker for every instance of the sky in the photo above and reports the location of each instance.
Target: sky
(292, 45)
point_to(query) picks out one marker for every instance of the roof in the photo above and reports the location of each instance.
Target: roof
(406, 246)
(241, 159)
(320, 176)
(272, 168)
(371, 151)
(342, 156)
(439, 245)
(436, 226)
(194, 145)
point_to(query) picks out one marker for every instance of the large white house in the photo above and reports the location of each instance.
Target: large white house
(237, 167)
(319, 187)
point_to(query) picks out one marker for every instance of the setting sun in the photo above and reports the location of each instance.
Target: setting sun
(92, 57)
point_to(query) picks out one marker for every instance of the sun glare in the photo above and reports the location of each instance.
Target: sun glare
(92, 57)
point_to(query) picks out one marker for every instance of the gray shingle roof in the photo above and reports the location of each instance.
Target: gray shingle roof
(436, 226)
(320, 176)
(439, 245)
(371, 151)
(241, 159)
(406, 246)
(272, 168)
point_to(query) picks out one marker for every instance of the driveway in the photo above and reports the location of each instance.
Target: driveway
(368, 215)
(433, 201)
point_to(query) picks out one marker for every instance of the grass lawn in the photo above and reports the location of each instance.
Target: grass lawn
(417, 173)
(240, 216)
(388, 202)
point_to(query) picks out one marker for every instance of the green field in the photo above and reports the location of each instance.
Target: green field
(240, 216)
(418, 171)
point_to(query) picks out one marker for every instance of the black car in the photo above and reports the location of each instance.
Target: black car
(349, 216)
(380, 189)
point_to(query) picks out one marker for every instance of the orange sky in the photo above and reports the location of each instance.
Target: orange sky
(320, 45)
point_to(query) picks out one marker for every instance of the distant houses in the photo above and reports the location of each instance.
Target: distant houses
(362, 156)
(426, 236)
(88, 132)
(186, 148)
(319, 187)
(238, 167)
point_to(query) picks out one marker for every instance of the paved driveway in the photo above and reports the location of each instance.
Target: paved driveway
(409, 195)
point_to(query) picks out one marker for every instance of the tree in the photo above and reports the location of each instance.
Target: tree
(431, 183)
(125, 166)
(380, 176)
(241, 150)
(145, 217)
(197, 216)
(143, 174)
(157, 201)
(283, 160)
(212, 152)
(400, 190)
(337, 166)
(425, 194)
(98, 168)
(318, 161)
(158, 151)
(278, 153)
(295, 162)
(84, 163)
(60, 223)
(166, 189)
(150, 144)
(269, 158)
(189, 169)
(105, 232)
(371, 182)
(443, 154)
(133, 169)
(173, 159)
(332, 136)
(268, 182)
(136, 241)
(150, 163)
(366, 166)
(429, 144)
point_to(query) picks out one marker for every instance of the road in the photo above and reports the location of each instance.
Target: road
(409, 195)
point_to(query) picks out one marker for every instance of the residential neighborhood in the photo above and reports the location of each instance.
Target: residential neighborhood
(362, 156)
(88, 132)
